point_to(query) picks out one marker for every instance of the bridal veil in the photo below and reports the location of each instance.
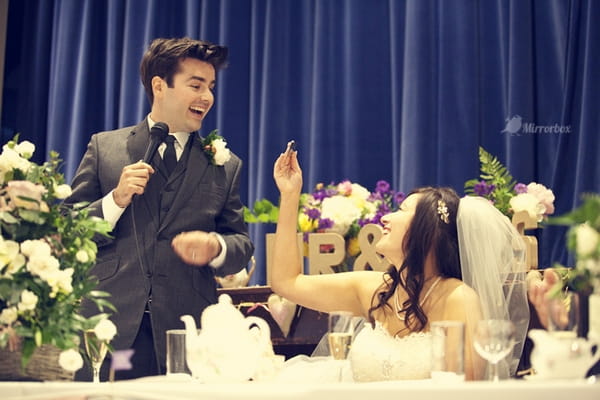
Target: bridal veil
(492, 257)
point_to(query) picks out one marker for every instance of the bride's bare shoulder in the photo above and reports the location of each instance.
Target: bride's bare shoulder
(462, 294)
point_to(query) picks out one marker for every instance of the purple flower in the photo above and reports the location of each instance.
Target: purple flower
(520, 188)
(313, 213)
(363, 221)
(399, 198)
(325, 223)
(383, 208)
(324, 192)
(382, 187)
(483, 189)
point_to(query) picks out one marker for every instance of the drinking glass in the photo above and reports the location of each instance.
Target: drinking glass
(176, 353)
(563, 315)
(494, 340)
(96, 351)
(340, 332)
(448, 340)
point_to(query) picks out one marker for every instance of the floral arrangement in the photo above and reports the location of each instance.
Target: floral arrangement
(497, 185)
(215, 148)
(342, 208)
(46, 251)
(583, 240)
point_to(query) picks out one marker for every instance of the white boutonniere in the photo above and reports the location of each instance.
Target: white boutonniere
(215, 148)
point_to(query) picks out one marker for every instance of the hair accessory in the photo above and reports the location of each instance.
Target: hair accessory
(442, 210)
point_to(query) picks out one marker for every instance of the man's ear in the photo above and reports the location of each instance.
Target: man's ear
(158, 86)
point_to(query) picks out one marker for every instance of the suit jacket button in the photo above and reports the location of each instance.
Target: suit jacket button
(165, 209)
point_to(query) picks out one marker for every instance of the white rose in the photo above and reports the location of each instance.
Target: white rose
(9, 248)
(82, 256)
(544, 196)
(222, 153)
(587, 240)
(342, 211)
(62, 191)
(589, 264)
(105, 330)
(43, 266)
(15, 265)
(65, 280)
(59, 280)
(25, 148)
(530, 203)
(36, 248)
(70, 360)
(9, 255)
(10, 159)
(28, 301)
(359, 191)
(8, 315)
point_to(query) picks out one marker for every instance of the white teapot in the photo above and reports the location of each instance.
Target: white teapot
(229, 347)
(562, 357)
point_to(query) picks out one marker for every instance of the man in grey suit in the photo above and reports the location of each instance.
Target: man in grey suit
(173, 230)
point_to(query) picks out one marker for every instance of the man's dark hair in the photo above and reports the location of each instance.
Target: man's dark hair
(163, 56)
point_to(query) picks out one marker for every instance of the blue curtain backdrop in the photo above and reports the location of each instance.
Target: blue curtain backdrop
(404, 91)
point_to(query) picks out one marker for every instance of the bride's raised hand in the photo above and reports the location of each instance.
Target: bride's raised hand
(287, 172)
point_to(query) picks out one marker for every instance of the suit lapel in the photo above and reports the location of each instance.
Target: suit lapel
(194, 169)
(137, 142)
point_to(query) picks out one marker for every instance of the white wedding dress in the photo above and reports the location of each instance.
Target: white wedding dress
(375, 355)
(378, 356)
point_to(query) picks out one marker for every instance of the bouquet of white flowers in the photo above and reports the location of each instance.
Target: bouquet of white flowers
(46, 252)
(583, 240)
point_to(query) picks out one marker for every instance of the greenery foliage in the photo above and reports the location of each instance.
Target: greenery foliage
(46, 253)
(499, 181)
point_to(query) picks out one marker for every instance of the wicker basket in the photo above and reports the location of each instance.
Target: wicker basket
(43, 365)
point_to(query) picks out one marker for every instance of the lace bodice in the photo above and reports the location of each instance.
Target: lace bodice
(376, 355)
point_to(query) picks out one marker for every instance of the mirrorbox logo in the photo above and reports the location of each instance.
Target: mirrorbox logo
(517, 126)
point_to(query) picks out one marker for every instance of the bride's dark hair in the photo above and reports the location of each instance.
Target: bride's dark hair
(428, 232)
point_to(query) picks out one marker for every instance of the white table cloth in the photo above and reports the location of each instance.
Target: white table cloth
(163, 388)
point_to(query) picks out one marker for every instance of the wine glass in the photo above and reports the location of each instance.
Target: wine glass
(494, 340)
(96, 351)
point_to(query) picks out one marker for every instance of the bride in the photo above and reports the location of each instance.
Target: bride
(452, 259)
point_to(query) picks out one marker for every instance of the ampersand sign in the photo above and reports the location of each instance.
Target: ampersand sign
(521, 221)
(368, 236)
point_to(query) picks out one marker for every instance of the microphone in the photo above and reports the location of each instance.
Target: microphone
(158, 133)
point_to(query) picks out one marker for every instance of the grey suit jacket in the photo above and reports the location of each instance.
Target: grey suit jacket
(138, 259)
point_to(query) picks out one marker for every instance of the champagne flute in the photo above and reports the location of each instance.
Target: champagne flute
(340, 332)
(339, 336)
(96, 351)
(494, 340)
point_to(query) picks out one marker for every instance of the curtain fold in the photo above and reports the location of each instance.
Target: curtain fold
(400, 90)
